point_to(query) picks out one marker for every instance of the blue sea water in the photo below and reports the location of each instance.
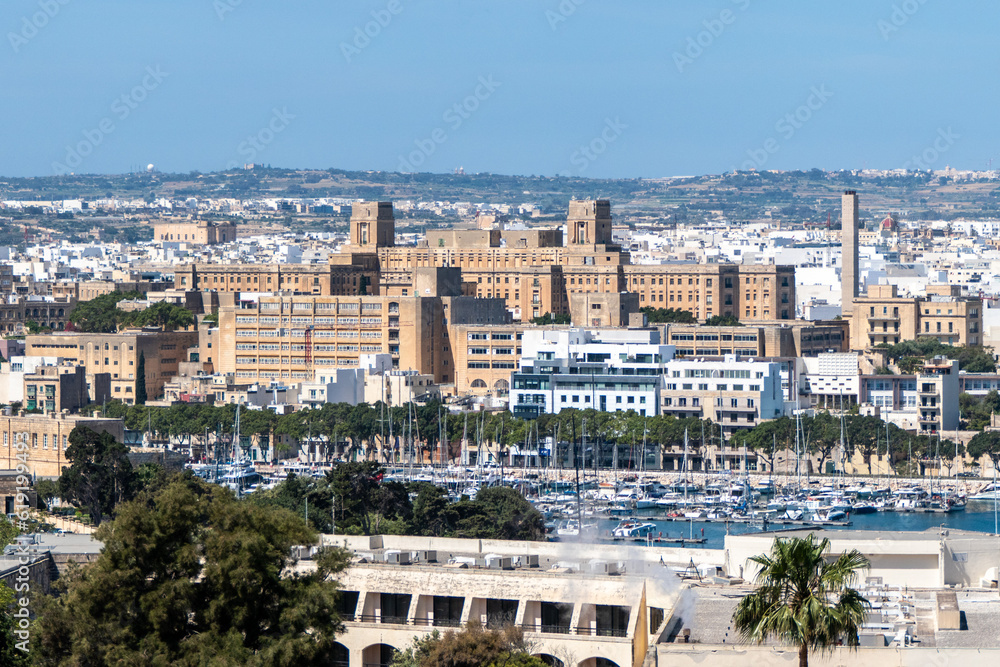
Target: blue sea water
(978, 516)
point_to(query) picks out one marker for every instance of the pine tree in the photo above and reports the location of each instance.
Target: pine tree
(189, 575)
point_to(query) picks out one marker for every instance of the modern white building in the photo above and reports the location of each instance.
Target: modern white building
(620, 370)
(830, 379)
(608, 370)
(733, 391)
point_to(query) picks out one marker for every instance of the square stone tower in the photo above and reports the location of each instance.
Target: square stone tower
(589, 222)
(373, 225)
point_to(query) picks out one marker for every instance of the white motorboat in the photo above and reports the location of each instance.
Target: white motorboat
(633, 528)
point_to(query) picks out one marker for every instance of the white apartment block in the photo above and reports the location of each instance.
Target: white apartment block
(830, 379)
(735, 392)
(607, 370)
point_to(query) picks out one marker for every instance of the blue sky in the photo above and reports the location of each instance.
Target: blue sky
(585, 87)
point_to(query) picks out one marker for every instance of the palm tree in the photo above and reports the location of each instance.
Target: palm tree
(802, 598)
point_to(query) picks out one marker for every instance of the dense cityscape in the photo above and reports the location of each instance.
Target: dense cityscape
(668, 393)
(481, 334)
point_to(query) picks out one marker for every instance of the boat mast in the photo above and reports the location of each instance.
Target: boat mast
(576, 466)
(798, 471)
(685, 466)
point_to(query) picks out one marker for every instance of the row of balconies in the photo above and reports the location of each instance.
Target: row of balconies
(591, 630)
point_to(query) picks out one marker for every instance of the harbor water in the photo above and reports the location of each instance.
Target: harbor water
(978, 516)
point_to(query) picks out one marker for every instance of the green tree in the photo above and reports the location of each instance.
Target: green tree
(34, 327)
(668, 315)
(100, 475)
(8, 533)
(191, 576)
(722, 321)
(432, 513)
(473, 646)
(509, 515)
(161, 314)
(10, 654)
(150, 475)
(45, 491)
(100, 314)
(549, 318)
(803, 599)
(140, 380)
(986, 444)
(364, 502)
(978, 410)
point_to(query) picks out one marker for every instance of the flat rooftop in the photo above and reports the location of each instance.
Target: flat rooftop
(710, 614)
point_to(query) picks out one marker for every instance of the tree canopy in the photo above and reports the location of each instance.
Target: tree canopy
(549, 318)
(722, 321)
(977, 410)
(102, 314)
(189, 575)
(910, 354)
(99, 476)
(472, 646)
(986, 444)
(11, 655)
(668, 315)
(365, 503)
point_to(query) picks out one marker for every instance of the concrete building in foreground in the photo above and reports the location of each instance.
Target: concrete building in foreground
(614, 605)
(604, 609)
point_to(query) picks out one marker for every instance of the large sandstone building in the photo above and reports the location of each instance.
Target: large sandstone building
(533, 271)
(455, 305)
(291, 336)
(117, 354)
(202, 232)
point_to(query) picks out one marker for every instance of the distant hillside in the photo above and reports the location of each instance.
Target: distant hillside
(793, 197)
